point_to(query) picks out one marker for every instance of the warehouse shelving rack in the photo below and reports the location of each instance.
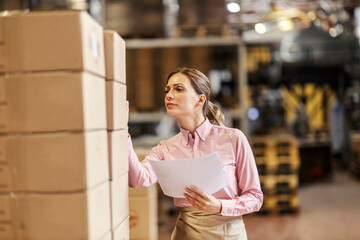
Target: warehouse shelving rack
(241, 90)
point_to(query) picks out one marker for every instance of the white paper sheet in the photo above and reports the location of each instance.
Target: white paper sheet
(204, 173)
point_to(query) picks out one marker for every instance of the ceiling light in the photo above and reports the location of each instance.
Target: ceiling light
(260, 28)
(285, 25)
(233, 7)
(333, 32)
(311, 15)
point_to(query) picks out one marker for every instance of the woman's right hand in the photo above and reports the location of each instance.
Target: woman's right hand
(202, 201)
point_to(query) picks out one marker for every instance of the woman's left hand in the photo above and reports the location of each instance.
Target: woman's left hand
(202, 201)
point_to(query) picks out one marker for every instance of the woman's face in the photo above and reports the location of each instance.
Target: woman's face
(180, 97)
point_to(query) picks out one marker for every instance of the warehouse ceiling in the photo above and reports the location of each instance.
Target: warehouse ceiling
(269, 20)
(258, 20)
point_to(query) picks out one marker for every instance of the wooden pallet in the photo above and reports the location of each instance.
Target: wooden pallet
(278, 185)
(277, 145)
(278, 165)
(281, 204)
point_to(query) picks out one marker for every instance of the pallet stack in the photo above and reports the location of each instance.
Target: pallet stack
(136, 19)
(54, 152)
(277, 159)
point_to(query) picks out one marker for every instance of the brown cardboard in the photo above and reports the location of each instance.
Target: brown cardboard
(122, 231)
(141, 153)
(53, 162)
(114, 56)
(142, 191)
(7, 216)
(51, 40)
(145, 87)
(79, 215)
(143, 215)
(119, 200)
(116, 105)
(118, 153)
(52, 101)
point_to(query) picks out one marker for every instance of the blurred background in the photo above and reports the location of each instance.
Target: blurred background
(287, 73)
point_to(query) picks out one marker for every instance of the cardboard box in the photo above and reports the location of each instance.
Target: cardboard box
(142, 191)
(144, 215)
(116, 105)
(51, 40)
(119, 200)
(108, 236)
(52, 101)
(118, 153)
(79, 215)
(115, 49)
(53, 162)
(122, 231)
(7, 231)
(145, 86)
(141, 153)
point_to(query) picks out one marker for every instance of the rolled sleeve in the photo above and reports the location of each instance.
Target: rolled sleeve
(141, 173)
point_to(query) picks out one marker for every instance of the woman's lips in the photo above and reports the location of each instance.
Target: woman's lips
(170, 105)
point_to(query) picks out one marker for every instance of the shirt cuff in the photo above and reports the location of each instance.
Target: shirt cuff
(229, 207)
(226, 207)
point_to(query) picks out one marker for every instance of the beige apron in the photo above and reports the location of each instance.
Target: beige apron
(193, 224)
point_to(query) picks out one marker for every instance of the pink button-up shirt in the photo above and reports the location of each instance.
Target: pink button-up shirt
(242, 193)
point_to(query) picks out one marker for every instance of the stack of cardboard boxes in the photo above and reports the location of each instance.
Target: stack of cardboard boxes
(144, 213)
(143, 209)
(54, 155)
(117, 132)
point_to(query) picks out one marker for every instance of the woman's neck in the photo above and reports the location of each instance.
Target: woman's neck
(191, 124)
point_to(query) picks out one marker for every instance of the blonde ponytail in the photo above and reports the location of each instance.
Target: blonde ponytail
(215, 115)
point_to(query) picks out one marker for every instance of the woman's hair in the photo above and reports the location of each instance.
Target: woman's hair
(201, 84)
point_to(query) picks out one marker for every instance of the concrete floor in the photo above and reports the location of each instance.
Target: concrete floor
(328, 211)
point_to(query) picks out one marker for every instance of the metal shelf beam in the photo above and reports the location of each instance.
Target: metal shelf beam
(182, 42)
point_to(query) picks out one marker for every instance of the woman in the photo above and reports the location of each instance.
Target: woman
(202, 216)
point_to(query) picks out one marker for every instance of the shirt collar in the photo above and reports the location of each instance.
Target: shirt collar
(202, 131)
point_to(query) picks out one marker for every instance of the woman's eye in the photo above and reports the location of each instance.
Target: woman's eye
(179, 89)
(166, 91)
